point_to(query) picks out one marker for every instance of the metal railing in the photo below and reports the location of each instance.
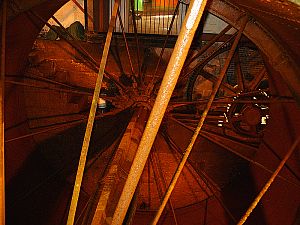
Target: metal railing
(152, 16)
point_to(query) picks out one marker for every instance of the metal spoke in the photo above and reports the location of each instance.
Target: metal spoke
(168, 84)
(63, 90)
(2, 101)
(207, 58)
(126, 42)
(241, 155)
(257, 79)
(238, 71)
(83, 10)
(201, 122)
(88, 59)
(164, 45)
(63, 125)
(269, 183)
(207, 46)
(279, 158)
(136, 37)
(208, 182)
(91, 118)
(162, 178)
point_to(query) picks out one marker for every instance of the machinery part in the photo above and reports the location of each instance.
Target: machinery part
(91, 119)
(201, 122)
(168, 84)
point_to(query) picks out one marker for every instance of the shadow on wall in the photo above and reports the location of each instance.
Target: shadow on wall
(33, 193)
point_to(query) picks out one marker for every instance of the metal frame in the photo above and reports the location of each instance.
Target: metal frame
(2, 99)
(283, 67)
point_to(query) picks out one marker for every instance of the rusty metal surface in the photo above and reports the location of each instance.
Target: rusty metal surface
(168, 84)
(280, 16)
(269, 183)
(271, 50)
(201, 122)
(277, 55)
(119, 167)
(2, 86)
(91, 119)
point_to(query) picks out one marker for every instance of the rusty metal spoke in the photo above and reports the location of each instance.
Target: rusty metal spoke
(243, 148)
(91, 119)
(269, 183)
(83, 10)
(207, 46)
(190, 166)
(63, 90)
(229, 100)
(164, 46)
(213, 79)
(248, 158)
(160, 176)
(211, 186)
(209, 57)
(64, 125)
(257, 79)
(280, 158)
(87, 58)
(201, 122)
(136, 37)
(2, 102)
(239, 73)
(126, 43)
(168, 84)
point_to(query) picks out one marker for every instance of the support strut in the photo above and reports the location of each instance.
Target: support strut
(168, 84)
(91, 119)
(2, 85)
(268, 184)
(200, 124)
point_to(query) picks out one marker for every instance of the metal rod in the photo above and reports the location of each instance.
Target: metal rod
(93, 64)
(133, 207)
(272, 99)
(136, 37)
(60, 126)
(269, 183)
(2, 99)
(47, 88)
(165, 42)
(208, 45)
(126, 43)
(41, 79)
(176, 151)
(208, 137)
(208, 182)
(168, 84)
(86, 15)
(257, 79)
(71, 36)
(200, 124)
(205, 213)
(279, 158)
(83, 10)
(162, 177)
(91, 119)
(207, 58)
(239, 72)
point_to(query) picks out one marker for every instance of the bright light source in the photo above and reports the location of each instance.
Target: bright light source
(264, 120)
(101, 103)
